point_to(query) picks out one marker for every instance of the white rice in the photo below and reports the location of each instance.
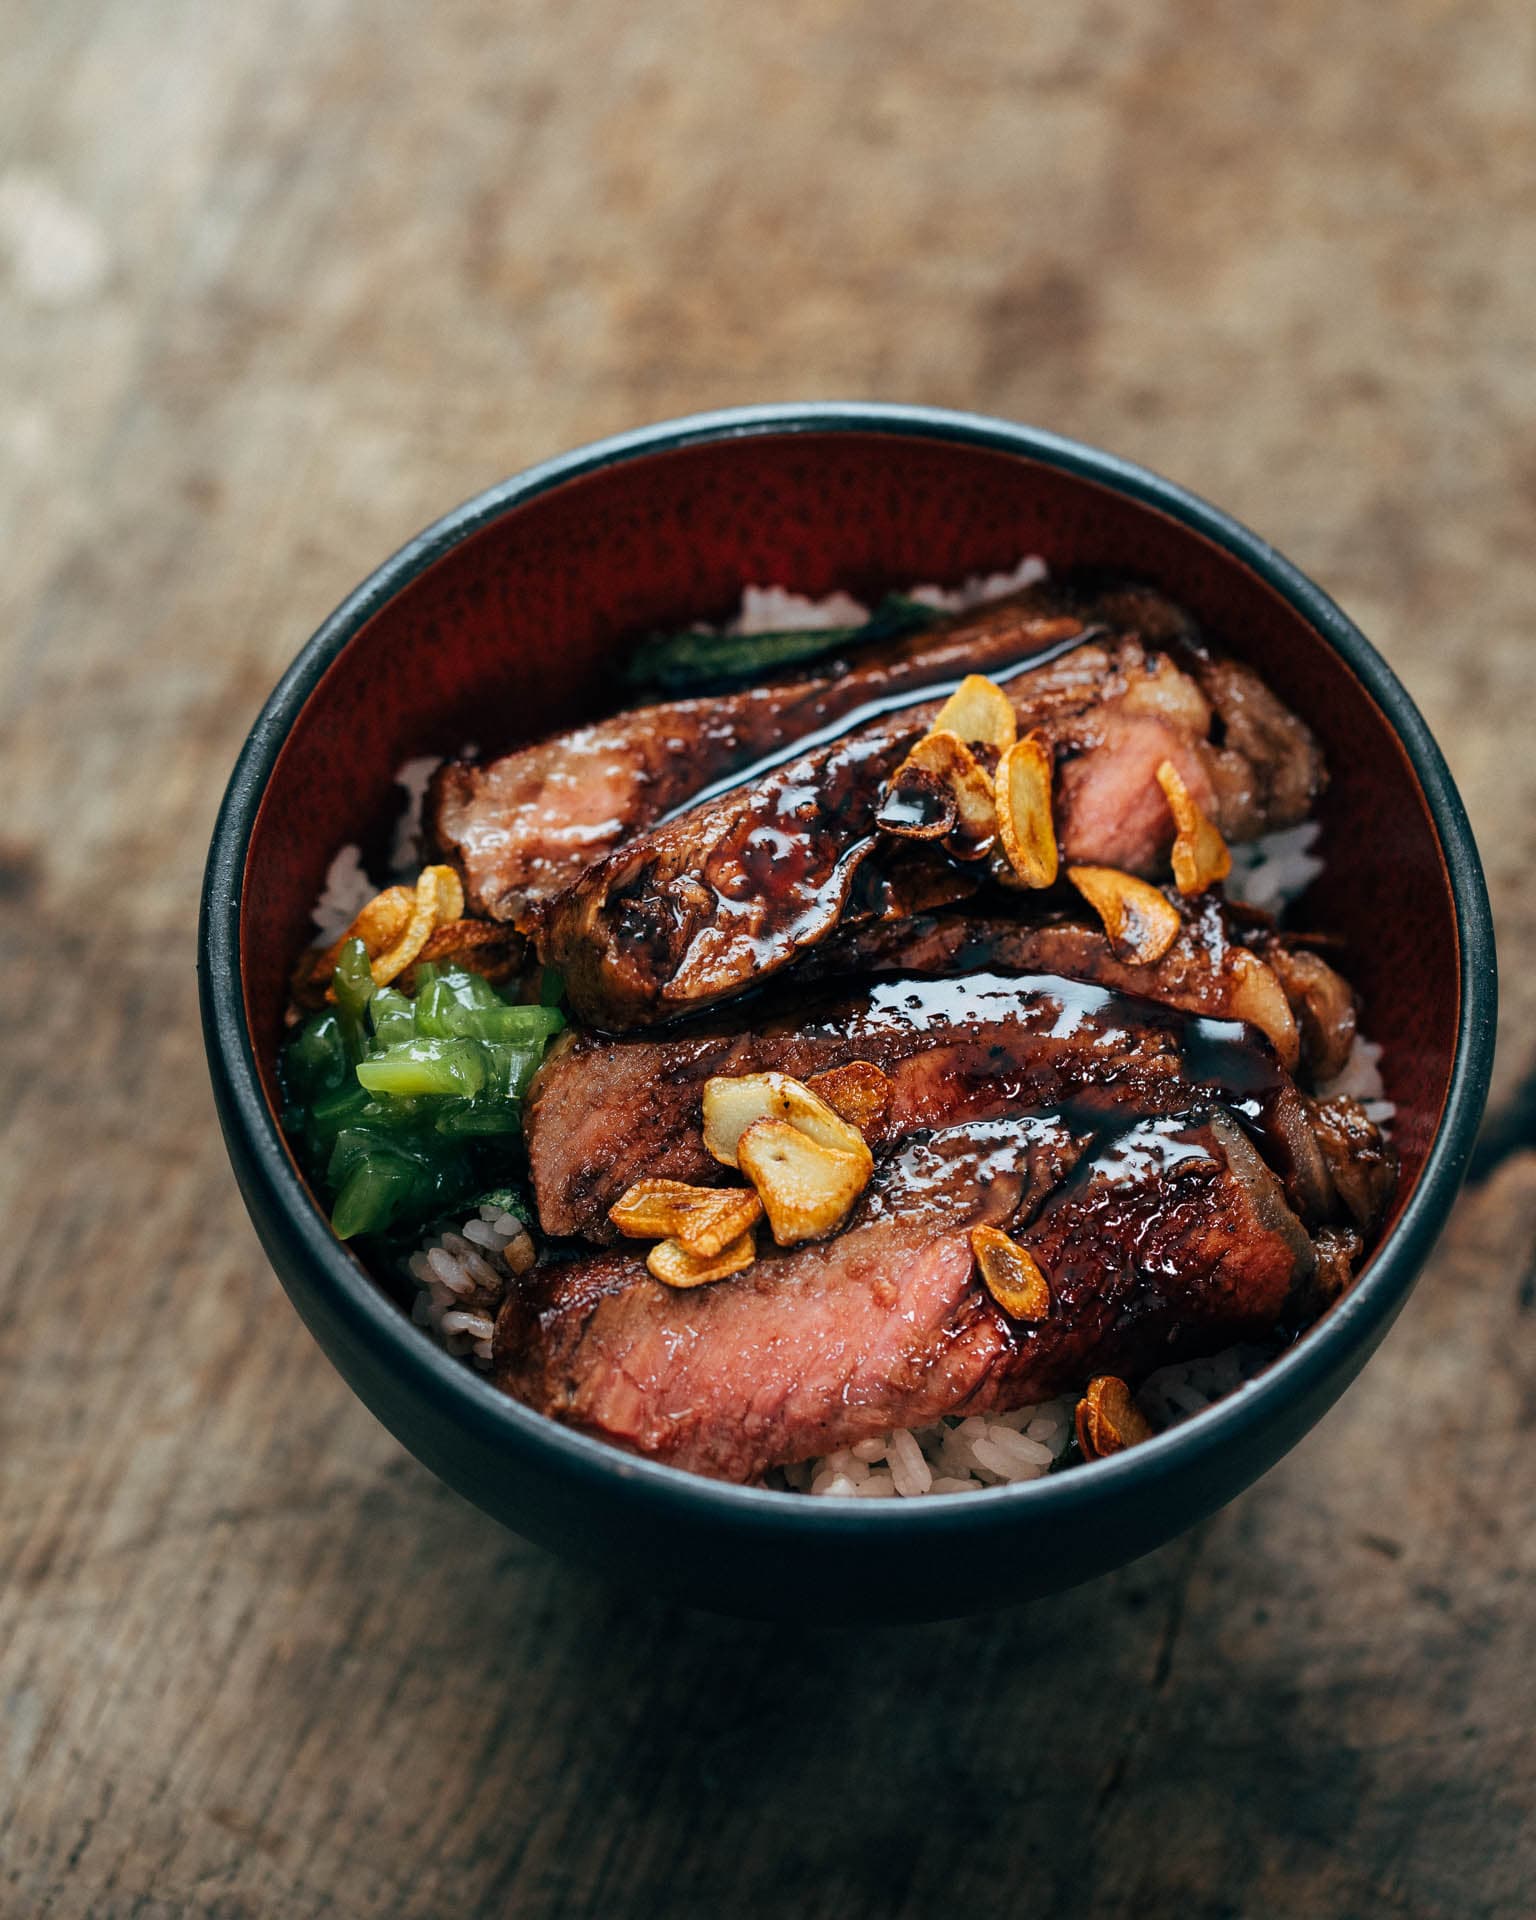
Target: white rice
(346, 892)
(407, 851)
(348, 885)
(1179, 1392)
(967, 1455)
(777, 610)
(1272, 871)
(1361, 1080)
(954, 1455)
(462, 1278)
(982, 587)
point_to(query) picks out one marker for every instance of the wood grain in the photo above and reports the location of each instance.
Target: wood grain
(277, 284)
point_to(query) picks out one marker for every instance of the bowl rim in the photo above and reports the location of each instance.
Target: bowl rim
(418, 1366)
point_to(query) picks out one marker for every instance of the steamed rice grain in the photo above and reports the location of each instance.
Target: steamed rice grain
(1275, 869)
(777, 610)
(462, 1278)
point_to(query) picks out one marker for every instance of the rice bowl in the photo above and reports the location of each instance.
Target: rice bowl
(1218, 1452)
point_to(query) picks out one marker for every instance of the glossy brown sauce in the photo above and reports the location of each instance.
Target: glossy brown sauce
(872, 710)
(1104, 1059)
(979, 1153)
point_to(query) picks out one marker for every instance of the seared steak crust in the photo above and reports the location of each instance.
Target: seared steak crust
(1206, 970)
(604, 1113)
(1166, 1238)
(707, 903)
(524, 826)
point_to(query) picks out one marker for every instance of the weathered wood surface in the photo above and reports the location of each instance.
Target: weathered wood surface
(279, 282)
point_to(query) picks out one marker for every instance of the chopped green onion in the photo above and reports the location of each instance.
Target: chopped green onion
(512, 1068)
(372, 1193)
(393, 1016)
(352, 984)
(678, 662)
(425, 1066)
(316, 1059)
(403, 1108)
(526, 1024)
(474, 1119)
(443, 1013)
(337, 1109)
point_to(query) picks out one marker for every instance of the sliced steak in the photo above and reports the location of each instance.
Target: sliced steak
(1166, 1240)
(1322, 1001)
(1361, 1163)
(1216, 966)
(604, 1113)
(704, 905)
(524, 826)
(1263, 761)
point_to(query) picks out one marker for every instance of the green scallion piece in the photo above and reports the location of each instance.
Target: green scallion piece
(371, 1195)
(353, 987)
(426, 1066)
(679, 662)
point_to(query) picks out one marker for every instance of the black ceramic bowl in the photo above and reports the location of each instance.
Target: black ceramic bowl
(502, 620)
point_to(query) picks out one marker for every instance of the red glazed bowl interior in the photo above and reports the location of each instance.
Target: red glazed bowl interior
(518, 629)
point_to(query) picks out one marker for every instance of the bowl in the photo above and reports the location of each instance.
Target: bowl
(502, 620)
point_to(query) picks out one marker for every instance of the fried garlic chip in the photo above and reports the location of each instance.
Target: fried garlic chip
(806, 1188)
(732, 1103)
(1011, 1274)
(705, 1220)
(942, 791)
(382, 922)
(1259, 998)
(672, 1263)
(979, 713)
(1200, 856)
(395, 928)
(378, 926)
(1140, 924)
(439, 899)
(950, 760)
(857, 1092)
(1108, 1419)
(1023, 800)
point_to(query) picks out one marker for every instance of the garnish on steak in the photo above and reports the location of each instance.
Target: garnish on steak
(604, 1112)
(920, 1067)
(525, 826)
(703, 905)
(1165, 1238)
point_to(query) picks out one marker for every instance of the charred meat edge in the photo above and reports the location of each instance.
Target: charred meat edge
(706, 904)
(1166, 1239)
(969, 1046)
(524, 826)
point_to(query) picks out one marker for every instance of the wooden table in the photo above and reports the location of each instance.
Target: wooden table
(280, 282)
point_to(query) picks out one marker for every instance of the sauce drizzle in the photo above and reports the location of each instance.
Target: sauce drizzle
(872, 710)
